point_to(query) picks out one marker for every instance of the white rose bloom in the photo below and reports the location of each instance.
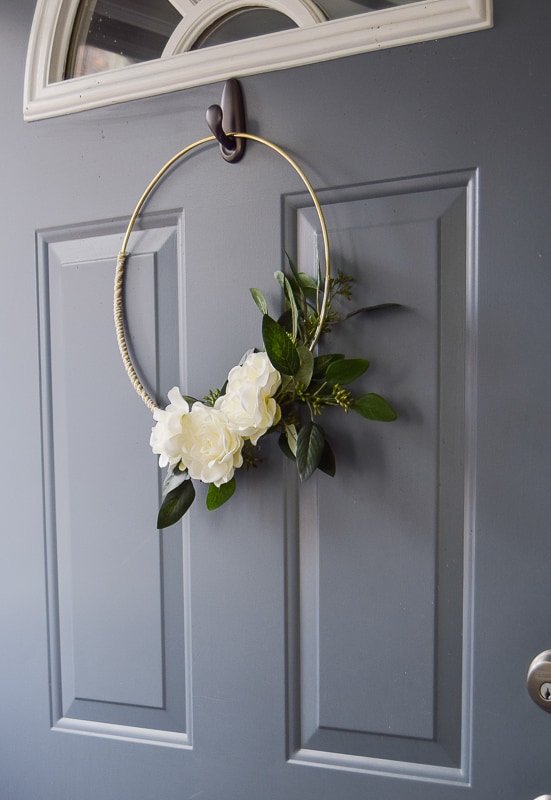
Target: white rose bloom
(210, 449)
(166, 437)
(248, 403)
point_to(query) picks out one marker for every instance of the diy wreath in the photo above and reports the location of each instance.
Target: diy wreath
(282, 389)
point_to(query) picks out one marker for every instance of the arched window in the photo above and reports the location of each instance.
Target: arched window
(88, 53)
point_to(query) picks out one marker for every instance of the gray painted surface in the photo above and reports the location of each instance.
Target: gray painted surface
(341, 641)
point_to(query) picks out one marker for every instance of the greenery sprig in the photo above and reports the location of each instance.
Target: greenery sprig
(307, 386)
(311, 384)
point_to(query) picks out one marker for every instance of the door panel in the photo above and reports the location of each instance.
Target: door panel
(380, 661)
(118, 617)
(365, 636)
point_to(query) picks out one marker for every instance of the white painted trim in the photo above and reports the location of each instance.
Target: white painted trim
(376, 30)
(206, 12)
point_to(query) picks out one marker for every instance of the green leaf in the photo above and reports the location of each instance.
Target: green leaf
(298, 289)
(175, 504)
(369, 309)
(260, 300)
(189, 399)
(307, 281)
(286, 320)
(280, 278)
(304, 374)
(174, 477)
(373, 406)
(292, 264)
(280, 349)
(346, 370)
(310, 443)
(308, 284)
(294, 309)
(291, 437)
(288, 289)
(218, 495)
(285, 449)
(327, 461)
(294, 279)
(322, 362)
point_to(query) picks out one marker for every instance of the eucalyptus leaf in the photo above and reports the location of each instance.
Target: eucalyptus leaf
(175, 504)
(292, 264)
(346, 370)
(294, 309)
(286, 320)
(295, 282)
(280, 349)
(310, 444)
(306, 370)
(308, 284)
(369, 309)
(218, 495)
(260, 300)
(189, 399)
(322, 362)
(291, 437)
(307, 281)
(327, 461)
(373, 406)
(289, 293)
(174, 477)
(285, 449)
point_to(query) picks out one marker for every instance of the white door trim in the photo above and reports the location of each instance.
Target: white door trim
(47, 95)
(206, 12)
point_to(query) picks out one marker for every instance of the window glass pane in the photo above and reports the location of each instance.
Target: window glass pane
(114, 33)
(244, 24)
(335, 9)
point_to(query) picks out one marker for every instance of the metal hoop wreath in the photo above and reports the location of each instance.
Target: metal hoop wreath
(122, 257)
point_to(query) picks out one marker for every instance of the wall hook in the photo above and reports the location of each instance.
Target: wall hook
(229, 115)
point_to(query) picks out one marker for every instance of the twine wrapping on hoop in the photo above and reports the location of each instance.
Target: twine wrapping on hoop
(123, 255)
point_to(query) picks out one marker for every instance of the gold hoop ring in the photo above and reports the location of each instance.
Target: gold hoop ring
(118, 302)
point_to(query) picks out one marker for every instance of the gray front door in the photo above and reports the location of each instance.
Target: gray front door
(365, 636)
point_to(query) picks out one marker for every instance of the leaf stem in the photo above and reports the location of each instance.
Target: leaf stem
(318, 390)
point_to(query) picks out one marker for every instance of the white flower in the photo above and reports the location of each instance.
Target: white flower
(166, 437)
(248, 403)
(200, 438)
(210, 449)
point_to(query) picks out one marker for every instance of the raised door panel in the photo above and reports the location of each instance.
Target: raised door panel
(379, 601)
(117, 590)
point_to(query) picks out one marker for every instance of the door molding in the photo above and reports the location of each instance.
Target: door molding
(145, 695)
(46, 94)
(434, 744)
